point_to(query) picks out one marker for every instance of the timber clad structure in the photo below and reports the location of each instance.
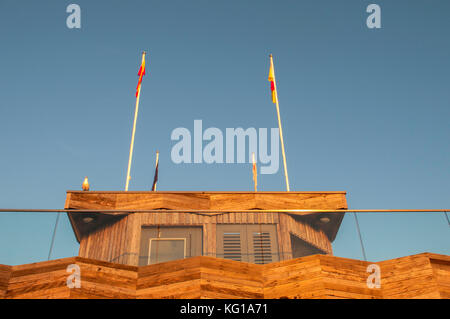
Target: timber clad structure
(213, 253)
(318, 276)
(116, 237)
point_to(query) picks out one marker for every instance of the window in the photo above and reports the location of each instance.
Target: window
(247, 242)
(166, 243)
(166, 249)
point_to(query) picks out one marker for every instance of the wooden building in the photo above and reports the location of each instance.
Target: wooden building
(202, 251)
(255, 237)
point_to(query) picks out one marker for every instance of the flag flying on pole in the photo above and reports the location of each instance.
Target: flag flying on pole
(141, 73)
(255, 172)
(155, 179)
(272, 82)
(273, 87)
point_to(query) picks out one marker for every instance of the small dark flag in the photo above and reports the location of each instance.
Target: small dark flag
(155, 179)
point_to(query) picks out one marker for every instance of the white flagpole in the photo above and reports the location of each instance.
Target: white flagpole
(279, 125)
(133, 133)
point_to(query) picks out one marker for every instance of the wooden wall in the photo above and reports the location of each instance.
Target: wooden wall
(441, 271)
(110, 243)
(319, 276)
(417, 276)
(119, 242)
(5, 272)
(200, 277)
(40, 280)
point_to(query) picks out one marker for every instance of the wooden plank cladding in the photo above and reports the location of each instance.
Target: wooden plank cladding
(5, 272)
(319, 276)
(417, 276)
(119, 242)
(205, 200)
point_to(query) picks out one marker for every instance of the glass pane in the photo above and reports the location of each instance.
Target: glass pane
(162, 250)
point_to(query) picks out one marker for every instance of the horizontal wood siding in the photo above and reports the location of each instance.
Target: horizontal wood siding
(319, 276)
(416, 276)
(5, 273)
(206, 200)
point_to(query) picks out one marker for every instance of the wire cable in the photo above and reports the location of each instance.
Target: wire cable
(360, 237)
(53, 236)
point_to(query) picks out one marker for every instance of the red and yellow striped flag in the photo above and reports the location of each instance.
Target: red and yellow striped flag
(141, 73)
(272, 82)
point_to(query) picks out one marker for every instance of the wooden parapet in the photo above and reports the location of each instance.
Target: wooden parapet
(419, 276)
(205, 200)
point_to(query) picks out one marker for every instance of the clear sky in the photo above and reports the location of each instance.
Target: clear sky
(363, 110)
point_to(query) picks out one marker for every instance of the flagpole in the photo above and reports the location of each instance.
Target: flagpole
(133, 133)
(279, 125)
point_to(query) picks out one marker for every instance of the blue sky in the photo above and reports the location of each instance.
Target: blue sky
(363, 110)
